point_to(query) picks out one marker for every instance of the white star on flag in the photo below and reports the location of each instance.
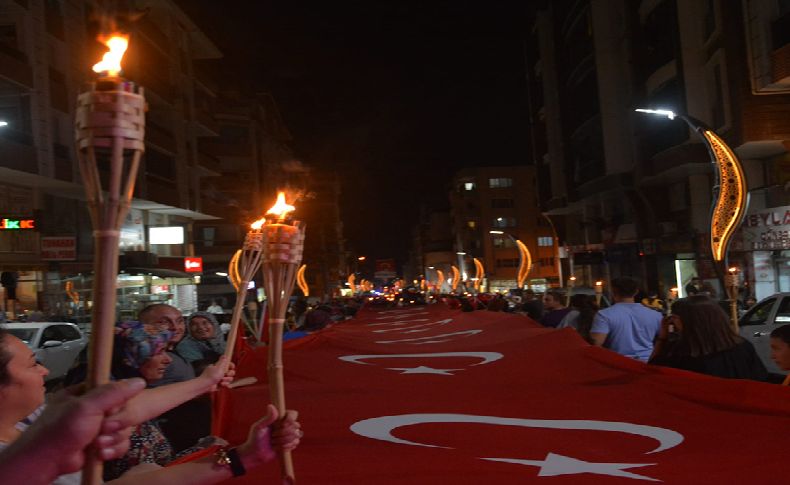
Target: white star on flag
(555, 464)
(424, 370)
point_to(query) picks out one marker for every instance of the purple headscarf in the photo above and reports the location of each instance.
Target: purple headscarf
(136, 345)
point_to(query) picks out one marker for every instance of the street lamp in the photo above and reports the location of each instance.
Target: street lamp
(524, 257)
(3, 123)
(730, 192)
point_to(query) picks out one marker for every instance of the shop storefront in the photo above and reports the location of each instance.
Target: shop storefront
(763, 244)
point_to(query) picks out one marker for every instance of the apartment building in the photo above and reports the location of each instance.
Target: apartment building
(630, 194)
(503, 199)
(47, 49)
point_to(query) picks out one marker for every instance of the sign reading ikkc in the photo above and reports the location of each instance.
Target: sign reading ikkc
(16, 224)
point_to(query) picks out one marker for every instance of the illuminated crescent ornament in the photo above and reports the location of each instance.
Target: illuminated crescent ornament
(351, 284)
(479, 273)
(301, 281)
(732, 198)
(381, 428)
(526, 263)
(456, 276)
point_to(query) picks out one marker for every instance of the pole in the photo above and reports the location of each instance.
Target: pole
(109, 124)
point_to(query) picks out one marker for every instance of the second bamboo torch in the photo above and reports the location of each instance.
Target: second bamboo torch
(283, 245)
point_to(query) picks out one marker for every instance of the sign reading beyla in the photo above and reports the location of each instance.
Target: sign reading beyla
(767, 229)
(14, 224)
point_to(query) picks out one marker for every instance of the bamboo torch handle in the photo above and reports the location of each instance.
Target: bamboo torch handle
(277, 389)
(235, 319)
(102, 329)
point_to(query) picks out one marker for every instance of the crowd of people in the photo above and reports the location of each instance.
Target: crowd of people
(157, 408)
(153, 413)
(694, 334)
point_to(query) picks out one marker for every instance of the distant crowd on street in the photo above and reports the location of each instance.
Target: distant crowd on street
(693, 334)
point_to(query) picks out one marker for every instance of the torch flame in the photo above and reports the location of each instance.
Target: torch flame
(111, 61)
(281, 208)
(258, 224)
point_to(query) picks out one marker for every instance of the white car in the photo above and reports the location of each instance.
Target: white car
(760, 320)
(56, 344)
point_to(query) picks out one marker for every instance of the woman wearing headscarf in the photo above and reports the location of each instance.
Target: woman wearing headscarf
(205, 343)
(22, 391)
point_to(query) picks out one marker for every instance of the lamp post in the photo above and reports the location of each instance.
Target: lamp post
(462, 266)
(524, 258)
(730, 192)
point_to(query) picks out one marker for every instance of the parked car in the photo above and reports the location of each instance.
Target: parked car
(760, 320)
(56, 344)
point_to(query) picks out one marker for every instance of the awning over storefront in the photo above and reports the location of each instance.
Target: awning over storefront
(160, 272)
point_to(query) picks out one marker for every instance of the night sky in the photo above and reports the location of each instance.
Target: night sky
(394, 95)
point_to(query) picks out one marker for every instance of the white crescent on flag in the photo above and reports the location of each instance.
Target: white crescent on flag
(381, 428)
(423, 327)
(487, 357)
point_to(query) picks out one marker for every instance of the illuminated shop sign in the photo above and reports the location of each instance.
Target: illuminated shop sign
(15, 224)
(193, 265)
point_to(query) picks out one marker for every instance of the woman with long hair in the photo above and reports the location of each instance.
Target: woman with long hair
(697, 336)
(580, 318)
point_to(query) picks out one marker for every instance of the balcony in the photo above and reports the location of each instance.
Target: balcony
(205, 75)
(160, 191)
(18, 152)
(63, 168)
(209, 162)
(780, 65)
(161, 137)
(206, 123)
(218, 148)
(14, 66)
(58, 94)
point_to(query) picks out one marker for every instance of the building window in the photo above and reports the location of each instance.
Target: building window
(471, 224)
(497, 183)
(718, 101)
(507, 263)
(709, 20)
(503, 242)
(504, 222)
(469, 186)
(545, 241)
(502, 203)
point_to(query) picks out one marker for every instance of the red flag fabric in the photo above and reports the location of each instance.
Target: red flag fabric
(433, 395)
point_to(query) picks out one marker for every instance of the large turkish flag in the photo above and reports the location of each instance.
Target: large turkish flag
(432, 395)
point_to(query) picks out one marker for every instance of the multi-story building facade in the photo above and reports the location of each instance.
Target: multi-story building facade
(431, 249)
(251, 150)
(486, 199)
(47, 49)
(631, 194)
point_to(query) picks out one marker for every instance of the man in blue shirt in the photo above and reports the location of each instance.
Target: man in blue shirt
(627, 328)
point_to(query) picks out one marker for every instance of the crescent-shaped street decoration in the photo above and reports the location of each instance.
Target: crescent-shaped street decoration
(456, 276)
(730, 204)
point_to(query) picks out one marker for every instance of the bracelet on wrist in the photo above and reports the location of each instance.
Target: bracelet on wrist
(230, 457)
